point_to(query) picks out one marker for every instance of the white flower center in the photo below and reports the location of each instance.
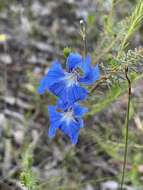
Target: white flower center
(71, 79)
(68, 116)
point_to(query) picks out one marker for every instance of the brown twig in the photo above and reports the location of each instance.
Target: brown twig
(126, 126)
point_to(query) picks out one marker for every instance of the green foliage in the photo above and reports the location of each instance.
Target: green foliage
(132, 58)
(133, 23)
(27, 177)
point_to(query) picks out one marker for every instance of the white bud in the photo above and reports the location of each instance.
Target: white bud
(81, 22)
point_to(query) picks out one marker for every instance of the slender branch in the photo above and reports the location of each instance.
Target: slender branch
(103, 78)
(127, 127)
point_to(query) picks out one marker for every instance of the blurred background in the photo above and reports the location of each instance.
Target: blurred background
(32, 34)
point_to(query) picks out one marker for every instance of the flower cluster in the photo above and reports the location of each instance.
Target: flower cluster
(67, 85)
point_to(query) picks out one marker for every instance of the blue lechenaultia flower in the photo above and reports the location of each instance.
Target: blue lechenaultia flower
(66, 84)
(69, 121)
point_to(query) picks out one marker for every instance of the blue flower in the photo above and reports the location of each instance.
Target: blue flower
(66, 84)
(69, 121)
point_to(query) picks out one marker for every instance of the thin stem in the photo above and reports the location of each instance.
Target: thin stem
(85, 40)
(5, 78)
(127, 127)
(84, 36)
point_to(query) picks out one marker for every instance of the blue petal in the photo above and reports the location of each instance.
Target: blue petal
(56, 73)
(43, 85)
(55, 120)
(64, 128)
(81, 123)
(91, 74)
(74, 138)
(76, 93)
(79, 111)
(85, 65)
(52, 130)
(73, 60)
(59, 89)
(53, 114)
(74, 131)
(96, 73)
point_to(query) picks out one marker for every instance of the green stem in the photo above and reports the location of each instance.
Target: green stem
(127, 127)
